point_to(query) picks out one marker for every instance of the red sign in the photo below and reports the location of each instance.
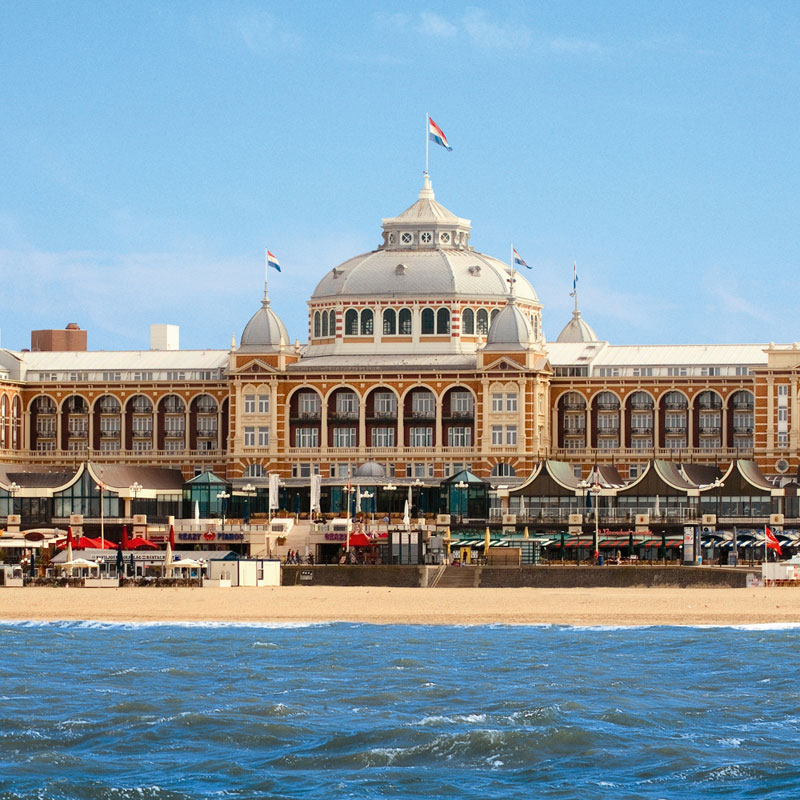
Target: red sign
(209, 536)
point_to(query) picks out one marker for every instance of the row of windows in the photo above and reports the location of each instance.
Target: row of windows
(139, 404)
(673, 399)
(394, 322)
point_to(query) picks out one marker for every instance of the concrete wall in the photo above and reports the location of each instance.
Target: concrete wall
(515, 577)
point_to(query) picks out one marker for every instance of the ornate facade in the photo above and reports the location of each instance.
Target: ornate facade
(424, 356)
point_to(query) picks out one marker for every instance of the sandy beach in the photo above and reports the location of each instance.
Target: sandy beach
(381, 605)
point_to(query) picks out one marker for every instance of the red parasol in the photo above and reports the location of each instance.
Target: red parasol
(139, 542)
(360, 540)
(125, 543)
(172, 536)
(102, 544)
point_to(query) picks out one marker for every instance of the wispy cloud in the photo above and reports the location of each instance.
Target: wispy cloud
(254, 29)
(479, 28)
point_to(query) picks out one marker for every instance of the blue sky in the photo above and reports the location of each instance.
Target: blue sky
(151, 151)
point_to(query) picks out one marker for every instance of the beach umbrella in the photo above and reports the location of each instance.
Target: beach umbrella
(101, 543)
(69, 535)
(33, 563)
(487, 540)
(168, 558)
(526, 535)
(124, 543)
(119, 561)
(406, 518)
(69, 545)
(196, 511)
(133, 567)
(359, 540)
(172, 536)
(140, 543)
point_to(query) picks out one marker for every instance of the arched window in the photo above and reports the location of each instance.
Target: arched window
(389, 322)
(607, 400)
(367, 322)
(675, 400)
(495, 312)
(468, 322)
(503, 470)
(257, 470)
(3, 415)
(535, 325)
(317, 325)
(404, 322)
(443, 320)
(324, 324)
(641, 401)
(482, 322)
(332, 323)
(427, 321)
(351, 322)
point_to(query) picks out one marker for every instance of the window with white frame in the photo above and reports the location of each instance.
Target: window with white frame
(459, 436)
(263, 436)
(249, 404)
(497, 434)
(497, 401)
(422, 403)
(306, 437)
(346, 403)
(308, 403)
(511, 401)
(140, 445)
(254, 471)
(382, 437)
(344, 437)
(173, 445)
(783, 438)
(263, 404)
(420, 437)
(461, 403)
(511, 434)
(249, 437)
(385, 404)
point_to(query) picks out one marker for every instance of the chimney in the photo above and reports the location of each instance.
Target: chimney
(164, 337)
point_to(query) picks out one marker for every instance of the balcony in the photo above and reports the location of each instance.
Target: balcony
(78, 433)
(142, 432)
(709, 430)
(676, 405)
(641, 405)
(383, 415)
(608, 406)
(109, 433)
(418, 415)
(306, 416)
(743, 429)
(574, 406)
(45, 430)
(460, 415)
(343, 416)
(705, 405)
(743, 405)
(675, 429)
(641, 430)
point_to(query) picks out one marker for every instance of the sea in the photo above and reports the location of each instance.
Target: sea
(96, 710)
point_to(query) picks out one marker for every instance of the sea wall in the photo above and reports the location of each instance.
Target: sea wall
(553, 577)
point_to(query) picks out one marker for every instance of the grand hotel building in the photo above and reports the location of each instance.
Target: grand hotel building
(425, 357)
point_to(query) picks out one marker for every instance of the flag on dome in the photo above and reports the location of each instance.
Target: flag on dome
(436, 134)
(519, 261)
(574, 276)
(272, 261)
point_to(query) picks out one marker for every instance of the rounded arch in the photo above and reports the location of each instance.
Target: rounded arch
(443, 321)
(389, 322)
(468, 322)
(675, 399)
(606, 398)
(75, 403)
(482, 322)
(708, 399)
(332, 322)
(742, 399)
(171, 404)
(303, 387)
(382, 387)
(571, 397)
(404, 322)
(139, 404)
(640, 400)
(254, 469)
(4, 414)
(494, 312)
(503, 469)
(427, 322)
(367, 322)
(351, 322)
(206, 403)
(16, 422)
(318, 325)
(324, 325)
(107, 404)
(419, 385)
(35, 403)
(326, 396)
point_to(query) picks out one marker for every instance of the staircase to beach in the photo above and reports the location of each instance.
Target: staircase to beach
(458, 578)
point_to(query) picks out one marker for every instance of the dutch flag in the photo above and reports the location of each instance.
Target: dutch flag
(272, 261)
(519, 261)
(436, 134)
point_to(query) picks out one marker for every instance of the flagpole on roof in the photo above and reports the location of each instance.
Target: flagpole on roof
(266, 271)
(427, 138)
(513, 271)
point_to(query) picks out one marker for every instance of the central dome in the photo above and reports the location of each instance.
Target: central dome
(425, 253)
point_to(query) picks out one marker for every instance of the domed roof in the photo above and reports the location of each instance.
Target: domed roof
(264, 331)
(370, 469)
(509, 330)
(425, 252)
(577, 330)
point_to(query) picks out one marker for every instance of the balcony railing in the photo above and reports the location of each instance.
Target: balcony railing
(608, 406)
(338, 416)
(574, 406)
(641, 405)
(676, 405)
(641, 429)
(710, 430)
(680, 429)
(306, 416)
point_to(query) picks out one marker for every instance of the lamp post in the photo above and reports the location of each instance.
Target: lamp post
(223, 495)
(595, 490)
(418, 484)
(461, 486)
(368, 496)
(249, 491)
(135, 488)
(101, 488)
(12, 490)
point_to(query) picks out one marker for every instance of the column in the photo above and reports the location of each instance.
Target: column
(770, 414)
(362, 423)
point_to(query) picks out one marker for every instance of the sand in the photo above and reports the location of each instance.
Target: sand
(598, 606)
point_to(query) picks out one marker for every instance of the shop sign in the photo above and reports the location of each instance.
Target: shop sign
(210, 536)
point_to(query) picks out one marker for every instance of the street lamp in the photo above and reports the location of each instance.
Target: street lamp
(368, 496)
(223, 495)
(418, 484)
(249, 491)
(12, 490)
(595, 490)
(135, 488)
(461, 486)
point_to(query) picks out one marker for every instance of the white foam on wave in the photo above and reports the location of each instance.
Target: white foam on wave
(87, 624)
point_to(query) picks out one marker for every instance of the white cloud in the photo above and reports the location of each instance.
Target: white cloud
(575, 47)
(261, 34)
(494, 35)
(435, 25)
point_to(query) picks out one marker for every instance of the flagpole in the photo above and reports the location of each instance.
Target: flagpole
(266, 271)
(513, 270)
(427, 140)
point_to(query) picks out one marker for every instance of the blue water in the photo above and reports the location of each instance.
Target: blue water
(91, 710)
